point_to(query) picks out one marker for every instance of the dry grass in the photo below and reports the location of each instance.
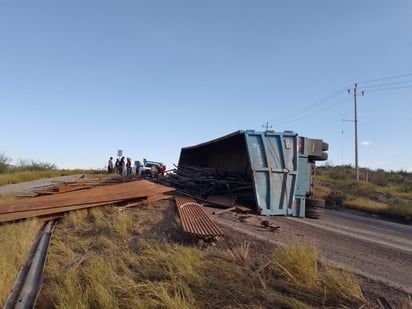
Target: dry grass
(27, 175)
(366, 205)
(392, 201)
(137, 258)
(105, 258)
(405, 195)
(320, 191)
(239, 254)
(15, 243)
(342, 285)
(8, 197)
(297, 265)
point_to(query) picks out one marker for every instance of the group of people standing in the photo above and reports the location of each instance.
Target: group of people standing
(122, 165)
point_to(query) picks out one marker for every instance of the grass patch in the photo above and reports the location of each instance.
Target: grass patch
(126, 262)
(8, 197)
(366, 205)
(295, 269)
(298, 263)
(321, 191)
(28, 175)
(405, 195)
(388, 194)
(15, 243)
(341, 285)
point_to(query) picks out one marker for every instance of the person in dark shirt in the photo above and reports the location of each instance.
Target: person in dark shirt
(110, 165)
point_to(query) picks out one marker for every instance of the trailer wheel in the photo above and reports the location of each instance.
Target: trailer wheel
(314, 203)
(314, 208)
(312, 213)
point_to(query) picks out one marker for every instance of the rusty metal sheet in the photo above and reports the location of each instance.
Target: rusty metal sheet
(62, 189)
(79, 199)
(195, 220)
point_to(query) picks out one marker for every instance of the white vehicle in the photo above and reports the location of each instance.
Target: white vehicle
(151, 168)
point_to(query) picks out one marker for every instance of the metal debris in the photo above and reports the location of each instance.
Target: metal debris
(120, 193)
(195, 220)
(203, 183)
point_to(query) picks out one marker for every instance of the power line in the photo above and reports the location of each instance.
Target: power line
(385, 78)
(307, 115)
(315, 108)
(389, 88)
(387, 84)
(304, 109)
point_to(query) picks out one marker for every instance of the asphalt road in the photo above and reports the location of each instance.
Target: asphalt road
(358, 217)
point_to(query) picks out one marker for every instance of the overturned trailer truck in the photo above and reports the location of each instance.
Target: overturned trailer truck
(278, 166)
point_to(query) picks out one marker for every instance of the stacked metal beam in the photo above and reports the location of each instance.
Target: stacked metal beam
(202, 182)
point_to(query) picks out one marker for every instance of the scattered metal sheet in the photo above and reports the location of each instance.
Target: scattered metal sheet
(100, 195)
(62, 189)
(195, 220)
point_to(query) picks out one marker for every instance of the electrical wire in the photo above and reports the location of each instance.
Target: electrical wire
(389, 88)
(385, 78)
(304, 109)
(308, 110)
(387, 84)
(317, 112)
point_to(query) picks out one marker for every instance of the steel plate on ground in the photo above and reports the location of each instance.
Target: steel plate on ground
(195, 220)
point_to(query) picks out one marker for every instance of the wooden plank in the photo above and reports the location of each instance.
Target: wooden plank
(222, 200)
(218, 212)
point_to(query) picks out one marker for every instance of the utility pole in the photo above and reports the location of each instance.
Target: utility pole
(355, 94)
(267, 126)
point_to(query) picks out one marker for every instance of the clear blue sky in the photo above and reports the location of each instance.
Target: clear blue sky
(81, 79)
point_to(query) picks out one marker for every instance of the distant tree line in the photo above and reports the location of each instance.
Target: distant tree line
(23, 165)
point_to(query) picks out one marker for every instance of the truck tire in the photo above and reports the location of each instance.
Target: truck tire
(314, 208)
(315, 203)
(312, 213)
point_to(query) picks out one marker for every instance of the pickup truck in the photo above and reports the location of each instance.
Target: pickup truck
(151, 168)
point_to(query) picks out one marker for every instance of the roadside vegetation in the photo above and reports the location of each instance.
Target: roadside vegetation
(32, 170)
(380, 192)
(16, 240)
(106, 258)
